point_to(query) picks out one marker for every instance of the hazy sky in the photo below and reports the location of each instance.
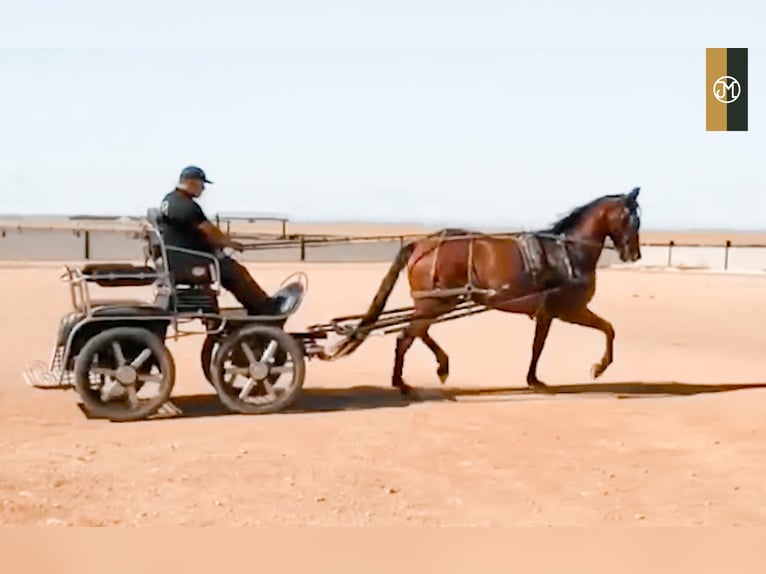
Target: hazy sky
(469, 112)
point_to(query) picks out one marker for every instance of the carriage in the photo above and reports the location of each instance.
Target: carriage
(114, 351)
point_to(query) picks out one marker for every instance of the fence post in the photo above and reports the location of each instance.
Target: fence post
(401, 241)
(726, 255)
(670, 251)
(87, 244)
(303, 248)
(284, 228)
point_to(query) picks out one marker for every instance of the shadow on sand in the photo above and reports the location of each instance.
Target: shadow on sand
(361, 398)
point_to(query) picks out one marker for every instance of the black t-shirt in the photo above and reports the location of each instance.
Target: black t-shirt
(179, 217)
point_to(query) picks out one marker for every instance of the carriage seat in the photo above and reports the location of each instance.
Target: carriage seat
(190, 268)
(127, 309)
(119, 274)
(190, 273)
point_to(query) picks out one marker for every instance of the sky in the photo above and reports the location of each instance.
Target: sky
(471, 113)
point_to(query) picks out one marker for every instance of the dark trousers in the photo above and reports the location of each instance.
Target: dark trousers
(238, 281)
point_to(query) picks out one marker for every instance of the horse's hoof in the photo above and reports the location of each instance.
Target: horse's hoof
(443, 375)
(537, 385)
(404, 388)
(597, 370)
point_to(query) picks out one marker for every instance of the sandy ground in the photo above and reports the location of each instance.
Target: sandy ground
(673, 434)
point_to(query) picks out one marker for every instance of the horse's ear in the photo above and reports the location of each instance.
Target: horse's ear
(633, 194)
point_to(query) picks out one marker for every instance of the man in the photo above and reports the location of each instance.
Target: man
(183, 224)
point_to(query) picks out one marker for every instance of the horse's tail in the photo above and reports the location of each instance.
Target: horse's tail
(359, 334)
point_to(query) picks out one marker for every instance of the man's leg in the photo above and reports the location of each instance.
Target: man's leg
(236, 279)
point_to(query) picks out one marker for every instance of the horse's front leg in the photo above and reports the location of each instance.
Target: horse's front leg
(587, 318)
(442, 358)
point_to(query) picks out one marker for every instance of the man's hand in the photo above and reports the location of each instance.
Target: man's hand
(217, 238)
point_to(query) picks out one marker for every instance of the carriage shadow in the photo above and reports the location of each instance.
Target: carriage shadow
(368, 397)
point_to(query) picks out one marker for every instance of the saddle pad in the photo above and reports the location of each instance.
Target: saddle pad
(532, 253)
(553, 261)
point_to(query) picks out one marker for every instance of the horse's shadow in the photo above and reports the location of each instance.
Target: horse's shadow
(368, 397)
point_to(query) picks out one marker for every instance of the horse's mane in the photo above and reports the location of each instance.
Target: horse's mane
(574, 217)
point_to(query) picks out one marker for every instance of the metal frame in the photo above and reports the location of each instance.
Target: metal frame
(165, 304)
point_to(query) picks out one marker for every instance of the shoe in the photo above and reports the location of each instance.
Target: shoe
(270, 306)
(274, 306)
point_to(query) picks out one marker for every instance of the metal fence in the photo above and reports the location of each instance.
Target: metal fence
(51, 244)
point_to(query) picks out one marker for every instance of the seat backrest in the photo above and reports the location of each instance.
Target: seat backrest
(185, 269)
(153, 216)
(153, 237)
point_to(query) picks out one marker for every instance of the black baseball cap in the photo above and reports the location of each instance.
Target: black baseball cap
(193, 172)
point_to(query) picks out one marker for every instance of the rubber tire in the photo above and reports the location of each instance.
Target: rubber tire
(286, 342)
(209, 348)
(82, 365)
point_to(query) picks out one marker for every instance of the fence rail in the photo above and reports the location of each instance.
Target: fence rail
(52, 243)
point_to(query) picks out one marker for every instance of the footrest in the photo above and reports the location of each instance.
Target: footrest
(39, 376)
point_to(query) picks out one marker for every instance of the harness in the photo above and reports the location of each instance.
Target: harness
(540, 263)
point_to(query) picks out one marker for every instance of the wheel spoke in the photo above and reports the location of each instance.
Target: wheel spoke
(132, 396)
(282, 370)
(141, 359)
(245, 392)
(103, 372)
(149, 377)
(232, 370)
(118, 354)
(268, 354)
(248, 353)
(269, 389)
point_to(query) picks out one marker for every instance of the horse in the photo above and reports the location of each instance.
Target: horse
(546, 274)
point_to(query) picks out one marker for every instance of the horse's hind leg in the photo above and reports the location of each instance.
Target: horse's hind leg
(542, 327)
(403, 343)
(425, 312)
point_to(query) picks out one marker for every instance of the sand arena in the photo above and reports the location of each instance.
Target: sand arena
(672, 434)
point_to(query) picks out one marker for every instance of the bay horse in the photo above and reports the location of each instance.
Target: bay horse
(546, 274)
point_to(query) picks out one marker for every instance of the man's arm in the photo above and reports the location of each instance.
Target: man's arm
(190, 214)
(216, 237)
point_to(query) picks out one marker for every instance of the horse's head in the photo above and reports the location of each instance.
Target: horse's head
(622, 220)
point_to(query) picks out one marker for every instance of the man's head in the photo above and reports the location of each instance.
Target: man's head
(192, 181)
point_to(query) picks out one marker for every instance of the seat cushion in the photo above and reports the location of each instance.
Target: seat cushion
(119, 274)
(118, 307)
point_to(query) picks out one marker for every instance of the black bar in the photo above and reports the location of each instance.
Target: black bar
(87, 244)
(670, 251)
(303, 248)
(726, 255)
(736, 111)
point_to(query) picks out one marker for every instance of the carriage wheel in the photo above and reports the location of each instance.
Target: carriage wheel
(258, 369)
(209, 347)
(124, 374)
